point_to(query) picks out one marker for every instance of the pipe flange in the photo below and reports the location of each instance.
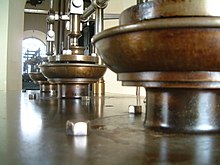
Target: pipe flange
(191, 80)
(74, 59)
(79, 81)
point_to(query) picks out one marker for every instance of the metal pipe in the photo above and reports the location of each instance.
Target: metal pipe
(63, 26)
(138, 95)
(75, 32)
(99, 26)
(50, 27)
(92, 8)
(99, 20)
(51, 4)
(49, 48)
(89, 11)
(107, 16)
(68, 42)
(99, 87)
(58, 30)
(49, 44)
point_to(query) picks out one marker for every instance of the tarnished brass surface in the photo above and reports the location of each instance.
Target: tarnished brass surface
(183, 110)
(99, 88)
(175, 57)
(48, 87)
(202, 80)
(77, 50)
(45, 86)
(73, 58)
(70, 90)
(37, 77)
(184, 102)
(73, 71)
(174, 44)
(169, 8)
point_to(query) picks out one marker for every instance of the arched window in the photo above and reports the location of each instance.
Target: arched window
(33, 52)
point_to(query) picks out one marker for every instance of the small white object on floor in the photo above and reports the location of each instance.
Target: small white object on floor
(81, 129)
(77, 129)
(135, 109)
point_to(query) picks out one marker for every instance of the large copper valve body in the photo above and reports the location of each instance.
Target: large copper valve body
(45, 86)
(73, 73)
(172, 49)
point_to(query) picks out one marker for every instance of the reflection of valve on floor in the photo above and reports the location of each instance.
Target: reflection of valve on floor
(136, 109)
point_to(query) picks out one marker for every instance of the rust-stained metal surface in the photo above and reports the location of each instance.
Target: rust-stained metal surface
(169, 8)
(33, 132)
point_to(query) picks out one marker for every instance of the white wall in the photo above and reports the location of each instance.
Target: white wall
(4, 8)
(15, 36)
(112, 85)
(11, 30)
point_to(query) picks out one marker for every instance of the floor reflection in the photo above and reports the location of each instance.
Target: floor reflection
(69, 109)
(30, 120)
(204, 149)
(34, 132)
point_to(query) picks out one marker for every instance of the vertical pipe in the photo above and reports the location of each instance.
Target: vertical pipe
(99, 87)
(138, 97)
(58, 29)
(99, 20)
(51, 4)
(63, 26)
(68, 42)
(75, 28)
(49, 46)
(50, 27)
(99, 25)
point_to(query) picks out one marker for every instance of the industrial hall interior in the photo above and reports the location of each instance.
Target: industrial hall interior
(110, 82)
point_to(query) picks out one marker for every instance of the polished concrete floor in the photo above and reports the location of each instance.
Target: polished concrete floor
(33, 132)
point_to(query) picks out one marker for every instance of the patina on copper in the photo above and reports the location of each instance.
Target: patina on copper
(174, 53)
